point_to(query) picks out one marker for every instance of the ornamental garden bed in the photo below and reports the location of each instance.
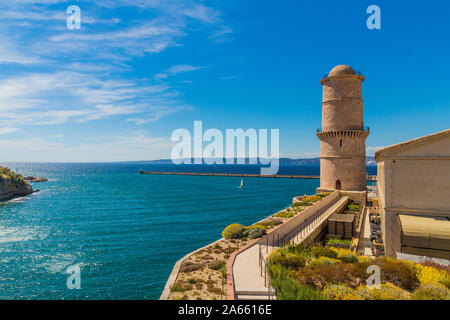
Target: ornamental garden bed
(329, 273)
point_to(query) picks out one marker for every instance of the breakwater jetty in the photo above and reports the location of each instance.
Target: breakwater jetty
(243, 175)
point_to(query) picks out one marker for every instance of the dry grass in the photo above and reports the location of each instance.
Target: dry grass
(203, 275)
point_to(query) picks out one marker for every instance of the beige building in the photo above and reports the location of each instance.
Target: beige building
(343, 135)
(414, 196)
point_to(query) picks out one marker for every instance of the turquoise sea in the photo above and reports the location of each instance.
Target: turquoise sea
(124, 230)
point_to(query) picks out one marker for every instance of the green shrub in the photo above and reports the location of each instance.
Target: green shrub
(349, 258)
(288, 289)
(324, 194)
(216, 264)
(285, 214)
(254, 233)
(431, 292)
(353, 207)
(233, 231)
(431, 274)
(399, 272)
(177, 288)
(318, 252)
(338, 242)
(215, 290)
(297, 204)
(288, 261)
(305, 203)
(189, 266)
(7, 174)
(340, 292)
(325, 260)
(386, 291)
(312, 199)
(302, 251)
(299, 250)
(271, 222)
(255, 226)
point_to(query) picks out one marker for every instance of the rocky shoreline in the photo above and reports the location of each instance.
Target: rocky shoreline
(13, 185)
(35, 179)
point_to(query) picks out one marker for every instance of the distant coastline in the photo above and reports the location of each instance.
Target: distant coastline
(245, 175)
(370, 161)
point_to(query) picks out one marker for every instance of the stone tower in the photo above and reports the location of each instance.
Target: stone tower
(343, 135)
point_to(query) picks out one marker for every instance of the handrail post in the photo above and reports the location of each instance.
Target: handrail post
(265, 274)
(261, 269)
(260, 255)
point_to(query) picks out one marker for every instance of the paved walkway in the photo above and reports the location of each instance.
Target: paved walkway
(364, 243)
(248, 281)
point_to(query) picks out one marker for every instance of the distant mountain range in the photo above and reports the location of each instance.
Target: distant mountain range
(370, 161)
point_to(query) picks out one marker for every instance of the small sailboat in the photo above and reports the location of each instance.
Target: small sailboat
(242, 184)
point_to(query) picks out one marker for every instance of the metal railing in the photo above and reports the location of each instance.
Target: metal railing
(357, 72)
(264, 273)
(363, 128)
(297, 235)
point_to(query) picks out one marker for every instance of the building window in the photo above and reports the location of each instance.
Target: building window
(340, 143)
(338, 185)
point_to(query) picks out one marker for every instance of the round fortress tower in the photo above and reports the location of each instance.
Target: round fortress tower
(343, 135)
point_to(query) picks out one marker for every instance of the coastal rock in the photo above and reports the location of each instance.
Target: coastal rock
(12, 185)
(35, 179)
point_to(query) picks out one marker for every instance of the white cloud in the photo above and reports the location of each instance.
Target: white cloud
(11, 53)
(71, 96)
(158, 113)
(134, 146)
(221, 35)
(147, 30)
(174, 70)
(161, 76)
(203, 13)
(182, 68)
(158, 25)
(7, 130)
(370, 150)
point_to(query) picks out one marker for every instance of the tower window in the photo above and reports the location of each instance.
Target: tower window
(340, 143)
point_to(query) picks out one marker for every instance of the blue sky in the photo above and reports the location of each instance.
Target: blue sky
(137, 70)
